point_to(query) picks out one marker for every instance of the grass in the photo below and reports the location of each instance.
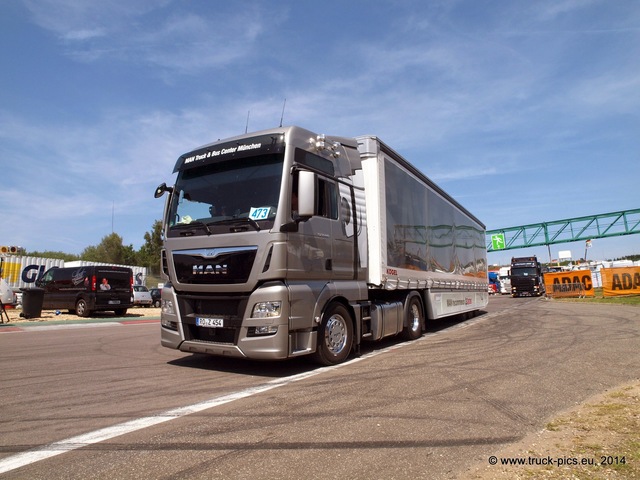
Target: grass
(600, 298)
(605, 433)
(598, 440)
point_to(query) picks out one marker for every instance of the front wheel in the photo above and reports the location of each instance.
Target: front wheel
(335, 336)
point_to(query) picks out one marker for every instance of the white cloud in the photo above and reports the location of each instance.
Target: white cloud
(66, 18)
(181, 41)
(608, 93)
(84, 34)
(552, 9)
(74, 174)
(473, 95)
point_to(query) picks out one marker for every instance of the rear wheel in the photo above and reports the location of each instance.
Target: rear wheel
(414, 318)
(82, 309)
(335, 336)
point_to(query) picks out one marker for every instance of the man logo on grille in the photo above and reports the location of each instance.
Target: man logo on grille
(211, 269)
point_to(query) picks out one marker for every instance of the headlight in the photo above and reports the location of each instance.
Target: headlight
(167, 307)
(266, 310)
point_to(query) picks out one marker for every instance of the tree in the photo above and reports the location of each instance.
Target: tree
(130, 256)
(67, 257)
(149, 253)
(110, 250)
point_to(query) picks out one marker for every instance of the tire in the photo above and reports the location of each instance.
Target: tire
(82, 308)
(414, 317)
(335, 336)
(121, 312)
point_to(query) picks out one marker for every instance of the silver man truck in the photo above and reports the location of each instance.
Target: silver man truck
(283, 243)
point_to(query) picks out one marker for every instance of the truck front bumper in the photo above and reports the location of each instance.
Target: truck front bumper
(248, 336)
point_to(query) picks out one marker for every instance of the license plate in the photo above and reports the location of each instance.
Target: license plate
(114, 302)
(209, 322)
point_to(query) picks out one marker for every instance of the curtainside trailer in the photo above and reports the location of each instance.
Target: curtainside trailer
(283, 243)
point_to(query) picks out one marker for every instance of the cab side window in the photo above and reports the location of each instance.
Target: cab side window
(327, 201)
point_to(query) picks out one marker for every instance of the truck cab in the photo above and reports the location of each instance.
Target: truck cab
(526, 277)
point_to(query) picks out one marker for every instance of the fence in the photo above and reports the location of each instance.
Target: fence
(566, 290)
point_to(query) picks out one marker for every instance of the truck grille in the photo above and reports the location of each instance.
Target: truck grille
(230, 308)
(214, 266)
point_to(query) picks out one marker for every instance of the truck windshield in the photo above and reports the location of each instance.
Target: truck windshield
(234, 194)
(523, 271)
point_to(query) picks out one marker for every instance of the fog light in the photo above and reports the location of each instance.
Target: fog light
(168, 323)
(263, 330)
(266, 310)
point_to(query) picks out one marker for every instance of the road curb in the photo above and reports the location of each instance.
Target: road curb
(22, 327)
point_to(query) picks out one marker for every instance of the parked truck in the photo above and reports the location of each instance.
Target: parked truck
(283, 243)
(526, 277)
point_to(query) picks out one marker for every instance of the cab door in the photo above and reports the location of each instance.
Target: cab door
(309, 249)
(344, 236)
(323, 248)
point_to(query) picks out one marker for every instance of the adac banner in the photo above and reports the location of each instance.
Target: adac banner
(577, 283)
(620, 281)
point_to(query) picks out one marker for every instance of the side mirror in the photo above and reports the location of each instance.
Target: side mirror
(161, 189)
(306, 193)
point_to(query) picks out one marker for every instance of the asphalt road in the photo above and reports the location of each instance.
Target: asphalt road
(108, 401)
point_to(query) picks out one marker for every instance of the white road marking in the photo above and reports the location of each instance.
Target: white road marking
(80, 441)
(97, 436)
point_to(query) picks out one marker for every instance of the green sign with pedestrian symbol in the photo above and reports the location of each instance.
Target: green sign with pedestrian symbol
(497, 241)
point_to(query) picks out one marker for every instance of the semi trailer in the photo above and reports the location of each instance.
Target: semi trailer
(284, 242)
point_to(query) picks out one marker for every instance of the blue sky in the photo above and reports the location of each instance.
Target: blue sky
(523, 111)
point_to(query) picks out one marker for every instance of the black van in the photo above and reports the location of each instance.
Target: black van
(88, 289)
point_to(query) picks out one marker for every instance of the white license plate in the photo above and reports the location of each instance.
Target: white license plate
(114, 302)
(209, 322)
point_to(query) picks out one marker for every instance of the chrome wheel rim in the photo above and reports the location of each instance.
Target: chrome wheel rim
(336, 334)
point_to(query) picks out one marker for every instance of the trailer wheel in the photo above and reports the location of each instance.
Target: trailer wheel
(414, 318)
(82, 309)
(335, 336)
